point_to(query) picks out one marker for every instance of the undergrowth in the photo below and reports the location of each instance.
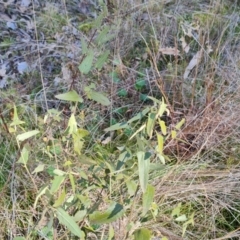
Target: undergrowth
(120, 120)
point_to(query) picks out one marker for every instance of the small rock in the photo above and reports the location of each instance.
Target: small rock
(12, 25)
(22, 67)
(25, 3)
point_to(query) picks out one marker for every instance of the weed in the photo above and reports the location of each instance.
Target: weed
(127, 126)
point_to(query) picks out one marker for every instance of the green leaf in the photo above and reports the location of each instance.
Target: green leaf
(87, 62)
(98, 97)
(78, 140)
(86, 160)
(98, 21)
(141, 145)
(19, 238)
(114, 212)
(89, 88)
(85, 200)
(148, 199)
(83, 175)
(103, 36)
(156, 101)
(140, 115)
(173, 134)
(143, 97)
(140, 83)
(163, 127)
(176, 210)
(131, 187)
(56, 183)
(16, 121)
(102, 59)
(117, 127)
(79, 216)
(122, 93)
(160, 140)
(181, 218)
(154, 209)
(85, 27)
(150, 124)
(138, 130)
(115, 76)
(111, 232)
(60, 200)
(84, 46)
(72, 124)
(142, 234)
(68, 221)
(24, 156)
(157, 167)
(179, 124)
(162, 108)
(59, 172)
(50, 171)
(39, 168)
(123, 157)
(43, 191)
(143, 168)
(26, 135)
(56, 149)
(71, 96)
(161, 158)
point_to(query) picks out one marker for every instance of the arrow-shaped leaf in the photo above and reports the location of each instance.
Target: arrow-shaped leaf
(86, 64)
(26, 135)
(71, 96)
(98, 97)
(148, 199)
(143, 168)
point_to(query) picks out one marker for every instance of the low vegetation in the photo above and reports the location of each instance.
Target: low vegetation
(120, 120)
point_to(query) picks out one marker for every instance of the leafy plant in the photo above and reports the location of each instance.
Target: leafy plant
(140, 84)
(62, 196)
(82, 165)
(51, 20)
